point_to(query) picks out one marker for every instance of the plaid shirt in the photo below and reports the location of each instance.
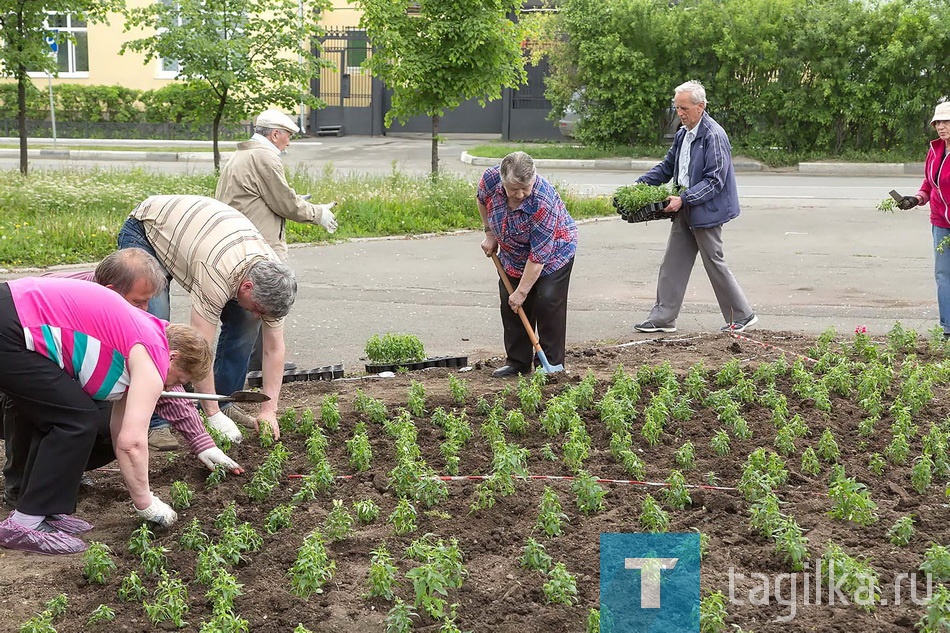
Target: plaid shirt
(540, 229)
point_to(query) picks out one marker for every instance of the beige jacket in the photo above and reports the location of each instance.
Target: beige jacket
(253, 182)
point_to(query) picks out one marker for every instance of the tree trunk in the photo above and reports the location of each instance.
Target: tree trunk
(214, 129)
(435, 146)
(22, 78)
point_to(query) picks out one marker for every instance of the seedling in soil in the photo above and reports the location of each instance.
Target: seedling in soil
(810, 464)
(193, 538)
(685, 456)
(266, 435)
(712, 613)
(224, 590)
(237, 541)
(484, 497)
(97, 564)
(529, 395)
(720, 443)
(633, 465)
(676, 493)
(403, 517)
(561, 587)
(375, 410)
(937, 617)
(877, 464)
(548, 454)
(361, 454)
(703, 544)
(791, 543)
(313, 568)
(441, 571)
(551, 515)
(220, 439)
(827, 447)
(225, 622)
(287, 421)
(785, 441)
(278, 518)
(154, 560)
(381, 579)
(937, 562)
(207, 564)
(535, 558)
(458, 387)
(593, 621)
(856, 579)
(589, 494)
(366, 511)
(330, 412)
(140, 540)
(902, 531)
(515, 422)
(218, 474)
(170, 602)
(399, 618)
(921, 475)
(417, 399)
(131, 589)
(898, 450)
(852, 502)
(339, 523)
(43, 623)
(181, 495)
(652, 517)
(100, 615)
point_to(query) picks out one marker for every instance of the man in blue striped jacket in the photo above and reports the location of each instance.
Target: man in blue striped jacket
(700, 164)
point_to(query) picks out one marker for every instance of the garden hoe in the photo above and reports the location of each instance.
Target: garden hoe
(545, 365)
(237, 396)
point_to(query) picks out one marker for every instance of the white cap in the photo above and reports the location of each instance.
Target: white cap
(276, 120)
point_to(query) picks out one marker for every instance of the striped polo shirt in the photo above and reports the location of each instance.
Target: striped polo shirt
(206, 246)
(87, 330)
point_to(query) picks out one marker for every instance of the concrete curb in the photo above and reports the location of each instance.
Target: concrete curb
(740, 165)
(106, 155)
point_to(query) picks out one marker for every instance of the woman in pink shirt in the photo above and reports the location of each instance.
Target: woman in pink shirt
(66, 348)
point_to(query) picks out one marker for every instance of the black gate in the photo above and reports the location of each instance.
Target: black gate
(346, 87)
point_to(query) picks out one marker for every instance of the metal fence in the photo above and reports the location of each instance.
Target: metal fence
(119, 130)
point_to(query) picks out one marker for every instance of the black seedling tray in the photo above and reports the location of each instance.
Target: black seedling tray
(255, 378)
(439, 361)
(652, 211)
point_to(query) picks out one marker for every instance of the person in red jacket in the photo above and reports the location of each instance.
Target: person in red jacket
(936, 190)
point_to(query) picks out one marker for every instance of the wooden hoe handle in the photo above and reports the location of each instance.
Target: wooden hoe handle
(524, 318)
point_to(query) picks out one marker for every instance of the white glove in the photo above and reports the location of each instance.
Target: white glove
(327, 219)
(213, 456)
(222, 423)
(159, 513)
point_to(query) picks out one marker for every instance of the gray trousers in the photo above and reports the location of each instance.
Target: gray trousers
(677, 265)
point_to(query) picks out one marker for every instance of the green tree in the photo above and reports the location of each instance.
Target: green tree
(24, 47)
(435, 54)
(251, 53)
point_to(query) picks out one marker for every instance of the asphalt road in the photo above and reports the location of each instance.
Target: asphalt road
(810, 251)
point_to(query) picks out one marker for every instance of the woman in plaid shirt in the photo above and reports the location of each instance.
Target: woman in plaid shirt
(535, 237)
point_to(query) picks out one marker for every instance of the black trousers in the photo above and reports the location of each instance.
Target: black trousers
(546, 309)
(64, 419)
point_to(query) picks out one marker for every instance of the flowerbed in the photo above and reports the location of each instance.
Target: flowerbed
(841, 457)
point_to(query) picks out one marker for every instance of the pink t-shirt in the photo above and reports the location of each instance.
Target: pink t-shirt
(88, 330)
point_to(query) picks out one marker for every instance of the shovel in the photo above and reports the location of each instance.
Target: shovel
(237, 396)
(545, 365)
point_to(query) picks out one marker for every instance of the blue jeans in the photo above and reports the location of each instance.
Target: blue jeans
(132, 234)
(239, 331)
(942, 276)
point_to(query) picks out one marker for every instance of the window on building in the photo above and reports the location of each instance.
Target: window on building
(356, 52)
(169, 68)
(72, 53)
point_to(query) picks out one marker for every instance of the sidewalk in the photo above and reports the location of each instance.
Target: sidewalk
(306, 148)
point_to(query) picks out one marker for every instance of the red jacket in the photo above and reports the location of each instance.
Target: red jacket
(936, 186)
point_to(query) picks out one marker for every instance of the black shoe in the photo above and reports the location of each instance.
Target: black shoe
(649, 327)
(506, 370)
(740, 326)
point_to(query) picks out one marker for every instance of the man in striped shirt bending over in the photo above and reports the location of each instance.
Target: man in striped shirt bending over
(233, 277)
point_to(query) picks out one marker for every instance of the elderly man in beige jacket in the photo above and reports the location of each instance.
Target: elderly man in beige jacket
(253, 182)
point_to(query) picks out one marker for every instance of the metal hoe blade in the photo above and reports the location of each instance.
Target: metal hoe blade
(237, 396)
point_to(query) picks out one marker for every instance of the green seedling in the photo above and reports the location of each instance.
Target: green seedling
(266, 435)
(359, 450)
(140, 540)
(366, 511)
(154, 560)
(877, 464)
(593, 621)
(791, 543)
(720, 443)
(937, 562)
(712, 613)
(381, 579)
(399, 618)
(561, 586)
(921, 475)
(652, 517)
(827, 447)
(97, 563)
(192, 537)
(676, 493)
(403, 517)
(217, 476)
(330, 412)
(685, 456)
(170, 602)
(224, 590)
(131, 589)
(308, 422)
(208, 563)
(516, 423)
(589, 495)
(547, 453)
(810, 464)
(287, 421)
(101, 615)
(279, 518)
(339, 523)
(551, 514)
(936, 618)
(902, 531)
(529, 395)
(459, 390)
(534, 557)
(484, 496)
(313, 567)
(417, 399)
(181, 495)
(226, 621)
(898, 450)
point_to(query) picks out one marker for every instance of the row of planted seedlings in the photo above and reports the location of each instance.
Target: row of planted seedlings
(646, 409)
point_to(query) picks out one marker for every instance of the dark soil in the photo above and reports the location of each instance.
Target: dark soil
(498, 596)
